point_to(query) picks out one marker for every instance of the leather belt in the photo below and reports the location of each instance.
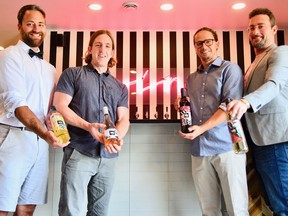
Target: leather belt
(20, 128)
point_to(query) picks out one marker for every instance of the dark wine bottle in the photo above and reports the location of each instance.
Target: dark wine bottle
(185, 112)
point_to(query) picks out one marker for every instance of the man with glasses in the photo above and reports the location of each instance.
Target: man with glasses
(265, 99)
(217, 170)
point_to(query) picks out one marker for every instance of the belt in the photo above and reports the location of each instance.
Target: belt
(20, 128)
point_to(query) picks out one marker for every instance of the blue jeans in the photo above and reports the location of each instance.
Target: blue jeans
(272, 164)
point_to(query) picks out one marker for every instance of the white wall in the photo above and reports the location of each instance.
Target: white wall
(153, 175)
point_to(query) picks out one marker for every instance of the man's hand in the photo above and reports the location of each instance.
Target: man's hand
(196, 130)
(237, 108)
(94, 131)
(48, 122)
(114, 148)
(51, 139)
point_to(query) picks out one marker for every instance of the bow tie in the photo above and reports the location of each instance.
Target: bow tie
(38, 54)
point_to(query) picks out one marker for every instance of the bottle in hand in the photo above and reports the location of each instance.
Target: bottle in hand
(110, 133)
(236, 132)
(58, 125)
(185, 112)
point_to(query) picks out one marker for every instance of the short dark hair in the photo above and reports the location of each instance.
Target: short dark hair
(263, 11)
(215, 36)
(88, 56)
(25, 8)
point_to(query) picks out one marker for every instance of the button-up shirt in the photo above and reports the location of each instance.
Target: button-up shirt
(208, 89)
(24, 81)
(90, 91)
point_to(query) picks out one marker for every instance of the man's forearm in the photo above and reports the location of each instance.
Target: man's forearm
(28, 118)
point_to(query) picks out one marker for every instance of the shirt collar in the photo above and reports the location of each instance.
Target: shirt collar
(217, 62)
(92, 69)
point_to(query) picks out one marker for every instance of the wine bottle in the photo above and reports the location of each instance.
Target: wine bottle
(110, 132)
(185, 112)
(58, 125)
(236, 132)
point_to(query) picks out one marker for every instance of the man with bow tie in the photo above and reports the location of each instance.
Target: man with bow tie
(26, 87)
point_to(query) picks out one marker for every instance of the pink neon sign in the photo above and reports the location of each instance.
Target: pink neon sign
(165, 80)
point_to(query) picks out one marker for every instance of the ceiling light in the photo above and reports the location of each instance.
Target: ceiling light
(238, 6)
(166, 7)
(95, 7)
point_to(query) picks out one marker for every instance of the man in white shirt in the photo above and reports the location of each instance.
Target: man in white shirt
(26, 87)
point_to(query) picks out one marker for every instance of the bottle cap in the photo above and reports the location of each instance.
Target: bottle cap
(228, 100)
(183, 92)
(105, 110)
(53, 108)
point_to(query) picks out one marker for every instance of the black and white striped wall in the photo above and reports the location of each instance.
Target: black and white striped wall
(153, 64)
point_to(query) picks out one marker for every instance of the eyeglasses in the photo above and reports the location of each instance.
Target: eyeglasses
(207, 42)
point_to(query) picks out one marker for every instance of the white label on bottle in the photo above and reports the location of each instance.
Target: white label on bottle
(111, 133)
(185, 115)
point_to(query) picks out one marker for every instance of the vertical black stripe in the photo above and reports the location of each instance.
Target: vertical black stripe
(133, 46)
(240, 49)
(280, 38)
(173, 72)
(173, 54)
(198, 60)
(53, 47)
(119, 48)
(159, 44)
(79, 49)
(226, 45)
(66, 50)
(159, 74)
(146, 50)
(146, 79)
(132, 58)
(119, 56)
(186, 56)
(186, 50)
(253, 55)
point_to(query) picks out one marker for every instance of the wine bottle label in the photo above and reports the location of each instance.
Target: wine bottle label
(111, 133)
(185, 115)
(235, 131)
(58, 122)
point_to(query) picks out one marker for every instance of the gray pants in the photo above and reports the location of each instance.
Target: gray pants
(224, 172)
(86, 184)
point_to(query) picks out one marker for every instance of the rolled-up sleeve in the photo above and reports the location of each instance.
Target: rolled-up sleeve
(12, 85)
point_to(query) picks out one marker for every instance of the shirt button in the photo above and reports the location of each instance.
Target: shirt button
(201, 108)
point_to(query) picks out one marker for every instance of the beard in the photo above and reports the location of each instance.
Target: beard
(32, 42)
(259, 43)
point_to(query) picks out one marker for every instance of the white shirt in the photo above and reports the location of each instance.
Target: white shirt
(24, 81)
